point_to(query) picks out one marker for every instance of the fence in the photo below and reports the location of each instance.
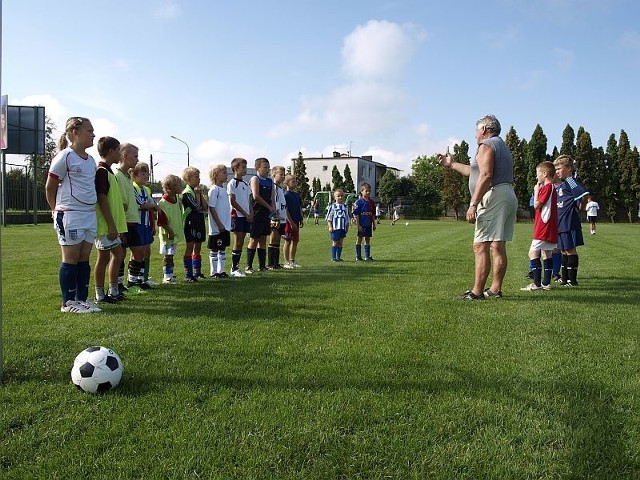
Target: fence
(24, 195)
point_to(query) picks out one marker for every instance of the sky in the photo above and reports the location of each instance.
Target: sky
(395, 79)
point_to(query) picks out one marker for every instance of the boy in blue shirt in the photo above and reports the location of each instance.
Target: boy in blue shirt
(364, 211)
(571, 196)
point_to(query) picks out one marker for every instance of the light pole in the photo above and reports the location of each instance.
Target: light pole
(185, 144)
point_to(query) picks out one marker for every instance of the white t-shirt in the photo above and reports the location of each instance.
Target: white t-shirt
(77, 177)
(219, 200)
(592, 209)
(242, 192)
(281, 204)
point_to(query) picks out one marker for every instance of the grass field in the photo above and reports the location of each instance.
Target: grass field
(345, 370)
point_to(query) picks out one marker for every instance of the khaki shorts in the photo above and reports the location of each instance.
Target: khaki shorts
(496, 217)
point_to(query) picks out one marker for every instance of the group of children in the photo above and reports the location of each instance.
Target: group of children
(93, 204)
(557, 199)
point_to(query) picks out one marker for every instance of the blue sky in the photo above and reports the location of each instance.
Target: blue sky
(394, 79)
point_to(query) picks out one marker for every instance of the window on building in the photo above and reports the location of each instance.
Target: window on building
(325, 168)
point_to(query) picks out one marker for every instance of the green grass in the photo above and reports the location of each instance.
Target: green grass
(346, 370)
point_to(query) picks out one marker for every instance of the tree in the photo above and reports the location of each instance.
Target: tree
(568, 139)
(427, 179)
(520, 185)
(316, 186)
(336, 178)
(454, 191)
(302, 182)
(536, 152)
(629, 180)
(39, 164)
(388, 189)
(612, 184)
(584, 162)
(348, 180)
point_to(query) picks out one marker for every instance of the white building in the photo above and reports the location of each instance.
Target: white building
(363, 170)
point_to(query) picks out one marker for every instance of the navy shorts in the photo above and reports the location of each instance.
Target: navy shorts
(365, 232)
(240, 225)
(138, 235)
(570, 240)
(592, 219)
(338, 235)
(261, 226)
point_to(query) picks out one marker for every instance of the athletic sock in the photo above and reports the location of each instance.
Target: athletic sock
(536, 269)
(84, 277)
(334, 252)
(236, 255)
(213, 262)
(572, 268)
(145, 277)
(136, 270)
(68, 276)
(548, 268)
(262, 258)
(339, 253)
(251, 252)
(100, 293)
(565, 276)
(196, 262)
(358, 250)
(557, 262)
(188, 266)
(222, 260)
(114, 291)
(367, 251)
(273, 250)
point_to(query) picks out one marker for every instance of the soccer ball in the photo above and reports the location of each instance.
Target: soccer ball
(97, 369)
(406, 224)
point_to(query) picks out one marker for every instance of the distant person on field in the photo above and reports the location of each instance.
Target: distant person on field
(219, 221)
(364, 211)
(571, 197)
(338, 219)
(111, 223)
(378, 213)
(279, 221)
(170, 226)
(239, 194)
(316, 212)
(195, 209)
(545, 228)
(295, 221)
(263, 192)
(592, 213)
(396, 215)
(492, 207)
(71, 194)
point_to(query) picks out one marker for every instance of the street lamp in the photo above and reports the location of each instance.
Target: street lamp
(185, 144)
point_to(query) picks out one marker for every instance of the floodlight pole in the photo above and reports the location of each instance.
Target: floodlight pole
(185, 144)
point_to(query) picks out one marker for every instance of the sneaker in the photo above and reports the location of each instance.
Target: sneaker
(339, 260)
(248, 270)
(170, 281)
(469, 295)
(264, 269)
(569, 284)
(368, 259)
(288, 265)
(532, 287)
(237, 274)
(223, 275)
(106, 299)
(191, 280)
(546, 287)
(488, 293)
(150, 282)
(89, 305)
(200, 276)
(270, 267)
(74, 307)
(278, 266)
(122, 288)
(119, 297)
(559, 280)
(359, 259)
(296, 265)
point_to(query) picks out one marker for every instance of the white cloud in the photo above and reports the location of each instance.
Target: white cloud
(216, 151)
(380, 50)
(168, 11)
(52, 108)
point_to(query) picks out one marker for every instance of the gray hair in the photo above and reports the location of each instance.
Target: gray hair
(491, 123)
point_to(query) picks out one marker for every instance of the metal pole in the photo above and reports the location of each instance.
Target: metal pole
(185, 144)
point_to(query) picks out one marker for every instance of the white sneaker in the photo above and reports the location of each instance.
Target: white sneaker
(288, 265)
(151, 282)
(248, 271)
(296, 265)
(237, 274)
(532, 287)
(546, 287)
(74, 307)
(169, 281)
(89, 305)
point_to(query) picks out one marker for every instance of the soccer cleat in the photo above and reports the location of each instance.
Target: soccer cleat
(223, 275)
(278, 266)
(288, 265)
(170, 281)
(296, 265)
(106, 299)
(199, 276)
(359, 259)
(237, 274)
(569, 284)
(89, 305)
(191, 280)
(368, 259)
(469, 295)
(488, 293)
(248, 270)
(546, 287)
(73, 306)
(264, 269)
(532, 287)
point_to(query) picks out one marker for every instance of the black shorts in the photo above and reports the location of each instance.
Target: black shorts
(133, 238)
(220, 241)
(261, 226)
(194, 228)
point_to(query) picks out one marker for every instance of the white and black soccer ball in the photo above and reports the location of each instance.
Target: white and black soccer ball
(97, 369)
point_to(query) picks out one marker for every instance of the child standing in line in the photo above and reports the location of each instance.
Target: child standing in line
(571, 196)
(364, 212)
(338, 224)
(592, 214)
(147, 210)
(219, 221)
(295, 221)
(263, 209)
(545, 230)
(279, 221)
(241, 212)
(111, 223)
(71, 195)
(195, 205)
(170, 226)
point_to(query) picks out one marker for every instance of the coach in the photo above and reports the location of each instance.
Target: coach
(492, 208)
